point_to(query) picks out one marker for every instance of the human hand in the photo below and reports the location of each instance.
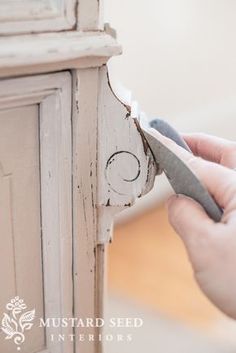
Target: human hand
(211, 148)
(211, 246)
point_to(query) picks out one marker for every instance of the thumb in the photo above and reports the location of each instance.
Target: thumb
(190, 221)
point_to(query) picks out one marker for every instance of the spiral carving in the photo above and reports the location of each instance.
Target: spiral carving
(122, 169)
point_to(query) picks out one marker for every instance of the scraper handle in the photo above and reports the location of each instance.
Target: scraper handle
(181, 178)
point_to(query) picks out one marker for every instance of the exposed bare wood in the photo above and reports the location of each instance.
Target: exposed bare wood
(126, 166)
(88, 171)
(85, 199)
(97, 193)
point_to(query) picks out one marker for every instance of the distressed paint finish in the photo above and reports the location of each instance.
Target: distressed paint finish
(89, 263)
(95, 162)
(36, 16)
(126, 165)
(90, 15)
(84, 200)
(19, 136)
(109, 173)
(51, 97)
(56, 203)
(55, 51)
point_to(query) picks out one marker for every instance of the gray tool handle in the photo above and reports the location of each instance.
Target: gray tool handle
(181, 178)
(167, 130)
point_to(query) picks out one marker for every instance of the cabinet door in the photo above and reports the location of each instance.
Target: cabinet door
(21, 16)
(35, 212)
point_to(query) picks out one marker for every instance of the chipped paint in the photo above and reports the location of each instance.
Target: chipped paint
(125, 163)
(55, 51)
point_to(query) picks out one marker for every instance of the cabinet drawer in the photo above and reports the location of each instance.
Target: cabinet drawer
(22, 16)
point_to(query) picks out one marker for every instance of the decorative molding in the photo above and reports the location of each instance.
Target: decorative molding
(36, 16)
(53, 94)
(126, 168)
(90, 15)
(55, 51)
(88, 259)
(112, 166)
(56, 203)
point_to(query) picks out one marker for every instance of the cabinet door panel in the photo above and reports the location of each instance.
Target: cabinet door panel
(17, 16)
(20, 249)
(35, 210)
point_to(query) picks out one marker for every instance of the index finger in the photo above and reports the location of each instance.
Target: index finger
(212, 148)
(219, 181)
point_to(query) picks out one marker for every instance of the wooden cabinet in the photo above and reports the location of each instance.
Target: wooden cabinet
(65, 171)
(36, 15)
(36, 201)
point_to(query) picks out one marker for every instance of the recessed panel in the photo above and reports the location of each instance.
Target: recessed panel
(22, 16)
(20, 227)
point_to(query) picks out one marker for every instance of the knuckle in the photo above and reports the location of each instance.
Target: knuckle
(194, 162)
(176, 210)
(231, 147)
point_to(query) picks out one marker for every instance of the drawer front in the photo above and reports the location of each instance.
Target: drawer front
(35, 212)
(17, 16)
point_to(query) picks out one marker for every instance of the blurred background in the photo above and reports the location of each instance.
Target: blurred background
(179, 61)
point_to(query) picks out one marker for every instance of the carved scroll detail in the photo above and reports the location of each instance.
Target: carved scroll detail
(119, 178)
(126, 169)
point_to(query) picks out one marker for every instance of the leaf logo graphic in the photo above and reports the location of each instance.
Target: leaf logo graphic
(16, 322)
(6, 326)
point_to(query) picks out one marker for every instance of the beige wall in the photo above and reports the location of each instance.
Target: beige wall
(179, 60)
(179, 55)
